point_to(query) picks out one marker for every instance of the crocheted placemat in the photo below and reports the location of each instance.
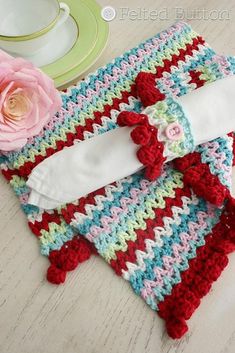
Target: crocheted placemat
(166, 241)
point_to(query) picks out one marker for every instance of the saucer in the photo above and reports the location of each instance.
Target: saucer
(76, 45)
(90, 43)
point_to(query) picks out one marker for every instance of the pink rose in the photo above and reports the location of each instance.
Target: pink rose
(28, 99)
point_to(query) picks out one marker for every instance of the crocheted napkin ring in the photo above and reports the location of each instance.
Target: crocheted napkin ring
(162, 131)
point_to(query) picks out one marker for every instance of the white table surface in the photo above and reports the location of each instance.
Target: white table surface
(96, 311)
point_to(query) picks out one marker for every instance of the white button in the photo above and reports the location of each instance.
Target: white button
(108, 13)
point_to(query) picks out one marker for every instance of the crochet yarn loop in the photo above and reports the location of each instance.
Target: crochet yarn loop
(67, 259)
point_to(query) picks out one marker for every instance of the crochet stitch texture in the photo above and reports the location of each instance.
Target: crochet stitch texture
(163, 238)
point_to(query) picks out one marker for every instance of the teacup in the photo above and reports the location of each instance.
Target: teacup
(28, 25)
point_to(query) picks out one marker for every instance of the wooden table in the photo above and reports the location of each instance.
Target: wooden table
(96, 311)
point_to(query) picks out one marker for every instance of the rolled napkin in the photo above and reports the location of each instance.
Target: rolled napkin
(168, 129)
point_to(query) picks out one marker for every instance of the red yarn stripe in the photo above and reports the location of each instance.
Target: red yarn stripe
(47, 218)
(9, 173)
(139, 244)
(197, 280)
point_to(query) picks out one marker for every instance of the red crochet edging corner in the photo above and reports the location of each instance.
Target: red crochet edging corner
(147, 91)
(66, 259)
(203, 270)
(198, 176)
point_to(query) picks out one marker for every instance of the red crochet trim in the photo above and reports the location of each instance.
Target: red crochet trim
(203, 270)
(147, 91)
(150, 153)
(9, 173)
(198, 176)
(67, 258)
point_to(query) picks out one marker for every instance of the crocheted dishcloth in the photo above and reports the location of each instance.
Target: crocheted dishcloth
(160, 236)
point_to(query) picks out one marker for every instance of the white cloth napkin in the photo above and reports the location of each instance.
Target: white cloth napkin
(89, 165)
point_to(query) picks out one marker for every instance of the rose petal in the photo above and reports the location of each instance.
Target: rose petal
(22, 78)
(5, 92)
(12, 145)
(33, 118)
(4, 73)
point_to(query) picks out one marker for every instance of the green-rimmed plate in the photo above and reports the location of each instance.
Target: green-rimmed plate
(91, 40)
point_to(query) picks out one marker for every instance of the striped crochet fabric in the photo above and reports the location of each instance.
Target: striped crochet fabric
(163, 238)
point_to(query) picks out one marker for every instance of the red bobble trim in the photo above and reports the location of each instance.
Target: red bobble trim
(150, 153)
(203, 270)
(67, 259)
(146, 89)
(228, 218)
(153, 172)
(55, 275)
(127, 118)
(198, 176)
(141, 135)
(205, 184)
(146, 155)
(230, 207)
(176, 328)
(187, 161)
